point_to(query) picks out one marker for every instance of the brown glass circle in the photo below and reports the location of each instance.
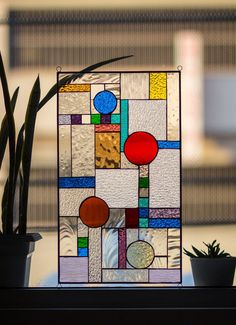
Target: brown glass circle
(94, 212)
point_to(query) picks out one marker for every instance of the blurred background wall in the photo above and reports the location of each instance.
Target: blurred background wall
(194, 36)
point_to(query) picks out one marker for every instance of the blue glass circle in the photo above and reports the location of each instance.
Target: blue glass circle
(105, 102)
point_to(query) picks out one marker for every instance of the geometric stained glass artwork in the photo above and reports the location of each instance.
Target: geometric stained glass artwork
(119, 186)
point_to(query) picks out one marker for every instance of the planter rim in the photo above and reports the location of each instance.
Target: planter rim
(30, 237)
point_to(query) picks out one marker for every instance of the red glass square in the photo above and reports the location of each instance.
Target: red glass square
(131, 218)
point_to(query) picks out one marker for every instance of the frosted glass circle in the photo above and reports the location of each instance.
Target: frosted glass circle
(140, 254)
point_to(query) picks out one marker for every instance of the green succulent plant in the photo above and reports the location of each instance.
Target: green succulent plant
(213, 250)
(20, 146)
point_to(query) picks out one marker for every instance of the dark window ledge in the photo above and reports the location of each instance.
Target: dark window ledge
(64, 304)
(118, 298)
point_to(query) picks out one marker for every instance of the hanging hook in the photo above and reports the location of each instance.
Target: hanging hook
(180, 67)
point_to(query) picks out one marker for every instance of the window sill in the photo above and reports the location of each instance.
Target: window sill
(118, 298)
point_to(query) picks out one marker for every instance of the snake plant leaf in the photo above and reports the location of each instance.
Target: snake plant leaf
(20, 196)
(4, 127)
(11, 137)
(29, 127)
(72, 77)
(19, 147)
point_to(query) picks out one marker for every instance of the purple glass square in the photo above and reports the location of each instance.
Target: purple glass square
(76, 119)
(106, 119)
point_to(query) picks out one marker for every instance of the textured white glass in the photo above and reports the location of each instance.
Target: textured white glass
(165, 179)
(134, 86)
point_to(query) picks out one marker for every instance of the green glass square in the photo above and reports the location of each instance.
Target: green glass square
(96, 119)
(115, 118)
(143, 202)
(83, 242)
(143, 182)
(143, 223)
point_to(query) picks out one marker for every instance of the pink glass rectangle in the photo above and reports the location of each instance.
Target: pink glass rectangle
(164, 213)
(122, 248)
(164, 275)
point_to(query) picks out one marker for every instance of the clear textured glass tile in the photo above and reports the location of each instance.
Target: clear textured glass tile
(64, 150)
(174, 248)
(74, 103)
(134, 86)
(173, 132)
(71, 198)
(116, 219)
(125, 276)
(83, 150)
(93, 78)
(148, 116)
(110, 248)
(156, 237)
(164, 176)
(68, 236)
(95, 255)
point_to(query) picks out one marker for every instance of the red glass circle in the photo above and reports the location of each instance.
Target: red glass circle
(94, 212)
(141, 148)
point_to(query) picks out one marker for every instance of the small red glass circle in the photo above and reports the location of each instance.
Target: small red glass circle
(141, 148)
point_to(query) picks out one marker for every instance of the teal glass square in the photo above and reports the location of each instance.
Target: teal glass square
(115, 118)
(143, 223)
(143, 202)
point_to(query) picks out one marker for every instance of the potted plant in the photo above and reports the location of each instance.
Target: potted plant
(16, 244)
(213, 266)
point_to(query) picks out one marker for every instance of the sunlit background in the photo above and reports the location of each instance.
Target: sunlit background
(169, 34)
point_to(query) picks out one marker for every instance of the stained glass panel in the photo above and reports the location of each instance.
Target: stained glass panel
(119, 186)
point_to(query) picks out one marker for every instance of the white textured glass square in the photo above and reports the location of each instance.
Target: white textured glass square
(71, 198)
(95, 89)
(157, 238)
(165, 179)
(73, 269)
(64, 119)
(74, 103)
(86, 119)
(174, 248)
(82, 229)
(82, 150)
(173, 131)
(119, 188)
(100, 78)
(134, 86)
(64, 150)
(110, 248)
(68, 236)
(148, 116)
